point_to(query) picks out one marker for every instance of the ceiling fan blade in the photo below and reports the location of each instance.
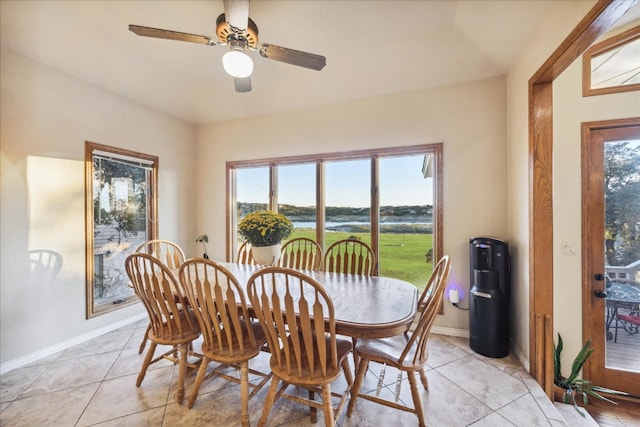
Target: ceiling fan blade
(242, 84)
(171, 35)
(293, 57)
(237, 13)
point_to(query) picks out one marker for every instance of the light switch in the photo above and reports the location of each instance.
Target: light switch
(568, 248)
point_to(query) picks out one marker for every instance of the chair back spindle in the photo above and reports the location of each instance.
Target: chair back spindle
(301, 254)
(167, 252)
(350, 256)
(244, 254)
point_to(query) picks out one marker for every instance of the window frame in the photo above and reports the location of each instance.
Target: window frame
(149, 161)
(373, 154)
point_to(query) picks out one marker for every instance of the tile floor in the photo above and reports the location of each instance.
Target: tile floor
(94, 384)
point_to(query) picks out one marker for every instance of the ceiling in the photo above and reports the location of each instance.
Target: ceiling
(372, 48)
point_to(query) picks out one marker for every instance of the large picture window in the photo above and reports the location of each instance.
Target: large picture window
(120, 215)
(389, 198)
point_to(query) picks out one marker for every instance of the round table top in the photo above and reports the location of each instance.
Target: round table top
(623, 292)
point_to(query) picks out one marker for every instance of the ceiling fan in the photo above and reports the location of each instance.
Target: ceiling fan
(236, 30)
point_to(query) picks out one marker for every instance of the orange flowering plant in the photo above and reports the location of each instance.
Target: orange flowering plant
(265, 228)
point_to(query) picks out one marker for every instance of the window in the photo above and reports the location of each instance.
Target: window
(120, 214)
(388, 198)
(612, 65)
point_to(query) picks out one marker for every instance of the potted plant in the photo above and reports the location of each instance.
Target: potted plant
(264, 230)
(204, 239)
(567, 388)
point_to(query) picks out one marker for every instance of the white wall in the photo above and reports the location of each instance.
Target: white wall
(469, 119)
(549, 36)
(570, 111)
(45, 118)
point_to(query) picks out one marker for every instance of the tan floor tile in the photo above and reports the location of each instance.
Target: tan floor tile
(483, 381)
(493, 420)
(129, 362)
(13, 383)
(149, 418)
(369, 413)
(524, 411)
(442, 352)
(112, 341)
(50, 409)
(120, 397)
(72, 373)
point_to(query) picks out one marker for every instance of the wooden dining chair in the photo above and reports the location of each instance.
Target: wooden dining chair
(171, 322)
(297, 316)
(230, 337)
(350, 256)
(244, 254)
(169, 254)
(301, 254)
(406, 352)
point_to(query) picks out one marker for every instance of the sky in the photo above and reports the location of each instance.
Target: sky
(348, 183)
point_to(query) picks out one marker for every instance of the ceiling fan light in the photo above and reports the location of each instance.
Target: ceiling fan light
(237, 64)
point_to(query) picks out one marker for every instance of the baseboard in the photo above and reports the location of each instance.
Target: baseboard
(452, 332)
(48, 351)
(524, 361)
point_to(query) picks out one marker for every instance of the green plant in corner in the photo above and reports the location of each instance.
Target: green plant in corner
(574, 386)
(204, 239)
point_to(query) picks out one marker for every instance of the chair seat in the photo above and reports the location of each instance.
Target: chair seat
(304, 376)
(635, 320)
(230, 354)
(388, 351)
(172, 335)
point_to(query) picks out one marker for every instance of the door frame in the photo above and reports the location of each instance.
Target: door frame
(593, 307)
(598, 20)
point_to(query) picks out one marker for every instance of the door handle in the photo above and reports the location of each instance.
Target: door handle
(599, 277)
(600, 294)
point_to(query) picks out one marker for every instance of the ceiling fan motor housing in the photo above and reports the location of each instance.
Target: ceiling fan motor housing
(224, 33)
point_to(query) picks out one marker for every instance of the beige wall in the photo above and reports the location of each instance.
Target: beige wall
(570, 110)
(549, 36)
(469, 119)
(45, 117)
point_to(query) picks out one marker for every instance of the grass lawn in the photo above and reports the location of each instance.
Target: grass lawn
(402, 255)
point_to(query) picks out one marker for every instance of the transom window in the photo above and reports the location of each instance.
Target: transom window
(612, 65)
(388, 198)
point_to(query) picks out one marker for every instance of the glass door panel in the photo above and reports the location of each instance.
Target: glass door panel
(622, 253)
(611, 245)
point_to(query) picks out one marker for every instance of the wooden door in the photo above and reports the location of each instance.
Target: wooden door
(611, 251)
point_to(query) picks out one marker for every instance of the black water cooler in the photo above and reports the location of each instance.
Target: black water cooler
(489, 296)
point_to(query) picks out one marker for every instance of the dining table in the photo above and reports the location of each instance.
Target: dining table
(364, 306)
(621, 296)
